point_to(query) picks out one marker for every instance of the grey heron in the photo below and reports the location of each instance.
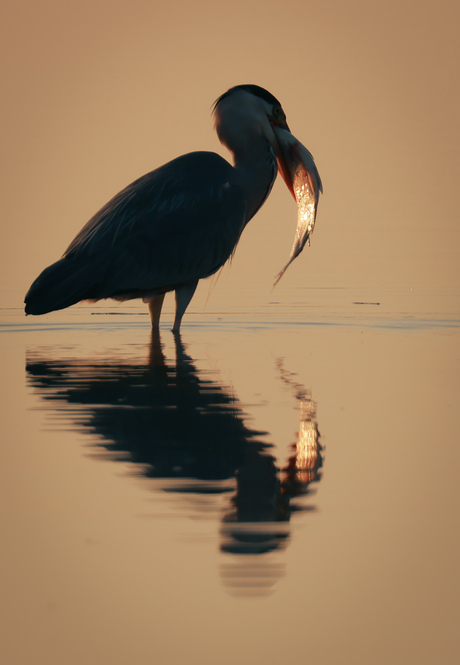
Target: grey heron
(181, 222)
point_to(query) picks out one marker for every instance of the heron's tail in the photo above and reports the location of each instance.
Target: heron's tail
(62, 284)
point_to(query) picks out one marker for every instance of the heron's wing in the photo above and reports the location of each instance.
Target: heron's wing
(177, 223)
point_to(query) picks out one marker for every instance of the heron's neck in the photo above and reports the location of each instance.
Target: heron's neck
(256, 168)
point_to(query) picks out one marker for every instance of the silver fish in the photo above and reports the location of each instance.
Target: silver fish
(302, 177)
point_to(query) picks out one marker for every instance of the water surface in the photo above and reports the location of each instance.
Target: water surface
(278, 483)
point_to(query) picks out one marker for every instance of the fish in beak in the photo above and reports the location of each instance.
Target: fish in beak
(299, 172)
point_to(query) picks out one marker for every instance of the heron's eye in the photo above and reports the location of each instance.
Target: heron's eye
(278, 113)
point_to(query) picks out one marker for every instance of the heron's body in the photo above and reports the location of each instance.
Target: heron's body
(165, 231)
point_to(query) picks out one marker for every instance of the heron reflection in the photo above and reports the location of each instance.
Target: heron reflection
(183, 427)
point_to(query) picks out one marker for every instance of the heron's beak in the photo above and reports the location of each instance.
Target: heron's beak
(299, 172)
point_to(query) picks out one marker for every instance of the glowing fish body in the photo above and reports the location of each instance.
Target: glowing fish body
(306, 187)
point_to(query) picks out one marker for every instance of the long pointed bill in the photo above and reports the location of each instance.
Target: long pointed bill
(299, 172)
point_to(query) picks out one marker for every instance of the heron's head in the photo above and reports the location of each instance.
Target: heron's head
(247, 112)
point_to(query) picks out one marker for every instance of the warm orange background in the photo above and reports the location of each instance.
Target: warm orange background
(96, 93)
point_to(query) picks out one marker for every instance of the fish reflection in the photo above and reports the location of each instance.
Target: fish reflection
(264, 499)
(263, 496)
(184, 428)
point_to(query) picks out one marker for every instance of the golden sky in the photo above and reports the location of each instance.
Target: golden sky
(96, 93)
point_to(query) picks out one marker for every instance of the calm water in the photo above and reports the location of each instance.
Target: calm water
(279, 483)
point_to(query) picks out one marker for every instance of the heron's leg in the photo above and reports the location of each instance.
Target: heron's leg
(155, 306)
(184, 294)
